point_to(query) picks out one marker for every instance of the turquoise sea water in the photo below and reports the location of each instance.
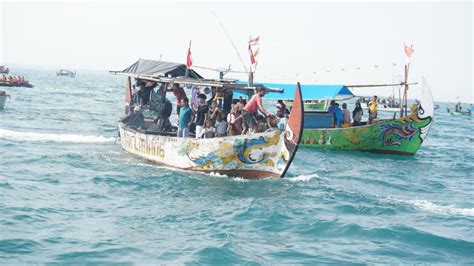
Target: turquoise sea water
(70, 194)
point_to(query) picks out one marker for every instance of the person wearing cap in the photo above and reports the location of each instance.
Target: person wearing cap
(251, 109)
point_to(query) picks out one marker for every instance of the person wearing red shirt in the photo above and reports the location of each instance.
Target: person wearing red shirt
(251, 109)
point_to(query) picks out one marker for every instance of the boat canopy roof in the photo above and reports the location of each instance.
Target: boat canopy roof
(168, 72)
(310, 92)
(160, 68)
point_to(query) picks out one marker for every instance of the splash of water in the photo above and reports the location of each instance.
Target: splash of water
(51, 137)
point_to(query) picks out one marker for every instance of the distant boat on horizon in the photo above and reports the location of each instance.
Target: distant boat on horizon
(66, 72)
(4, 70)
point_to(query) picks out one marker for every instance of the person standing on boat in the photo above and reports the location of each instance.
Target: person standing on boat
(339, 115)
(227, 106)
(179, 94)
(347, 114)
(186, 117)
(357, 115)
(202, 114)
(250, 110)
(373, 104)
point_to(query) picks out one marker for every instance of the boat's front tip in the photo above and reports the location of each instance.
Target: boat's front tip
(294, 128)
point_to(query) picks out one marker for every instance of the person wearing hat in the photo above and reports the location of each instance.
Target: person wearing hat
(251, 109)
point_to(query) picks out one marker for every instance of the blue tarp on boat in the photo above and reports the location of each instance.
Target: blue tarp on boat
(310, 92)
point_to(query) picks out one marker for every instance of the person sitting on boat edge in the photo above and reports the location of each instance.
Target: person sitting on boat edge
(373, 104)
(347, 114)
(357, 114)
(164, 108)
(135, 118)
(201, 114)
(186, 117)
(251, 109)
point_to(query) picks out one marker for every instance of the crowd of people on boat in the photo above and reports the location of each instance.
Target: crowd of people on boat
(14, 79)
(343, 117)
(390, 102)
(217, 116)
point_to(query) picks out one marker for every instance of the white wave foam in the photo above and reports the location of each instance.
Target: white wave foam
(429, 206)
(302, 178)
(43, 137)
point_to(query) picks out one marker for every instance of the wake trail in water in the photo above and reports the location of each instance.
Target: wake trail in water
(429, 206)
(302, 178)
(51, 137)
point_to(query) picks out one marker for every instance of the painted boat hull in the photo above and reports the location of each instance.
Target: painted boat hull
(403, 136)
(261, 155)
(257, 156)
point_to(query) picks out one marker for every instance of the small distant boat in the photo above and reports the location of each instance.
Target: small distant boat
(3, 98)
(66, 72)
(4, 70)
(459, 111)
(16, 84)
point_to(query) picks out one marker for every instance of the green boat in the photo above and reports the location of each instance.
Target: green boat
(403, 135)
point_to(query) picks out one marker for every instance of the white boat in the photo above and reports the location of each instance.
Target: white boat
(3, 98)
(66, 72)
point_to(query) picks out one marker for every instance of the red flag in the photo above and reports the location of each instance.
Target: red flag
(189, 60)
(409, 50)
(252, 58)
(254, 41)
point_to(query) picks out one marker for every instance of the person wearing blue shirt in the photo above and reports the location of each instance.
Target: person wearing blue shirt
(186, 117)
(339, 115)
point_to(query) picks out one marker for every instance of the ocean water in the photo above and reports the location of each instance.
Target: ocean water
(70, 194)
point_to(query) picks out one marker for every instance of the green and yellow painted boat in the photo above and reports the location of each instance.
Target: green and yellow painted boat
(403, 135)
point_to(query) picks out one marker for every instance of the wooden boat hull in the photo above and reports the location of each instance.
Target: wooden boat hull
(261, 155)
(402, 136)
(9, 84)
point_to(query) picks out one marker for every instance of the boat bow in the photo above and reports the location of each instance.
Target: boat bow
(294, 128)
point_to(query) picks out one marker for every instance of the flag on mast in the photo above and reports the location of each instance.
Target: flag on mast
(253, 55)
(409, 51)
(252, 58)
(189, 59)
